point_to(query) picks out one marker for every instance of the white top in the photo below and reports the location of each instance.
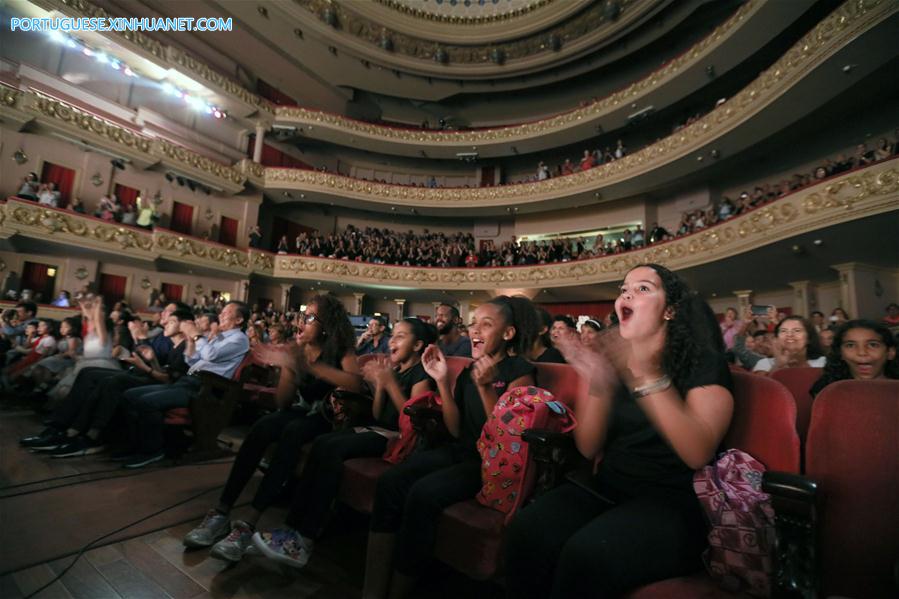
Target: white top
(766, 364)
(93, 348)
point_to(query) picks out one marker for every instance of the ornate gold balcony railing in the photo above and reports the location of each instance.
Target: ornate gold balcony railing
(855, 195)
(841, 27)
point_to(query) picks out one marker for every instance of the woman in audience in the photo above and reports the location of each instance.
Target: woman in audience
(395, 382)
(411, 495)
(542, 349)
(861, 350)
(322, 359)
(838, 317)
(29, 188)
(796, 344)
(68, 349)
(255, 335)
(590, 330)
(659, 404)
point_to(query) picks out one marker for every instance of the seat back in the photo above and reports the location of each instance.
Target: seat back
(853, 455)
(455, 365)
(764, 422)
(799, 381)
(563, 380)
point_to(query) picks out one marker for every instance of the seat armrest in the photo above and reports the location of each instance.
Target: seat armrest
(555, 454)
(794, 499)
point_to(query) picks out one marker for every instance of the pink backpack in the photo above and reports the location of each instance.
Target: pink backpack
(508, 476)
(741, 540)
(399, 448)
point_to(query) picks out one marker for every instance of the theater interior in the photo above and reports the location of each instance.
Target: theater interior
(399, 169)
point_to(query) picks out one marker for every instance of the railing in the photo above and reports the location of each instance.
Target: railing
(854, 195)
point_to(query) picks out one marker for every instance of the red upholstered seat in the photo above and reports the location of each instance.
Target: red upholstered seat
(799, 381)
(178, 417)
(853, 455)
(762, 426)
(564, 382)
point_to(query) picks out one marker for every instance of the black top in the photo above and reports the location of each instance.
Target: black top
(389, 416)
(551, 355)
(175, 365)
(471, 409)
(314, 389)
(636, 459)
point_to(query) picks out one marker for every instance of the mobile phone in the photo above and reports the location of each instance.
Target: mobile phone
(758, 310)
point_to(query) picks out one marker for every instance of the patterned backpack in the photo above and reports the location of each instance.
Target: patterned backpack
(741, 539)
(507, 474)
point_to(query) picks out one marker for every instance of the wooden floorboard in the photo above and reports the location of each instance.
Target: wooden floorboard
(31, 579)
(83, 580)
(159, 570)
(128, 581)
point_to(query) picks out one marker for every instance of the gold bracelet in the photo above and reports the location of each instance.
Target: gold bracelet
(660, 384)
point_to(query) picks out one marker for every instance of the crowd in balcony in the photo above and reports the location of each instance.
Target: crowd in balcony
(461, 250)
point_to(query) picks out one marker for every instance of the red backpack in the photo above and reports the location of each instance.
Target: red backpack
(508, 476)
(399, 448)
(742, 537)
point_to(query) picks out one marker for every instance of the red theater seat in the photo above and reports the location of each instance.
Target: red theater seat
(799, 381)
(763, 426)
(853, 455)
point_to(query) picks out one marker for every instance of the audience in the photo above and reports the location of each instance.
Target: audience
(861, 350)
(795, 344)
(375, 339)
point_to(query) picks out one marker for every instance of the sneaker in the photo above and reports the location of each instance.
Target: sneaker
(214, 527)
(50, 438)
(144, 459)
(77, 447)
(283, 545)
(235, 545)
(123, 455)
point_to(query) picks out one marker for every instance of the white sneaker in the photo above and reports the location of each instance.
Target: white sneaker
(283, 545)
(233, 547)
(215, 526)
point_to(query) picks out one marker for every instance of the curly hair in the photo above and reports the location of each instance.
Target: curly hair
(518, 312)
(813, 342)
(337, 336)
(692, 330)
(836, 368)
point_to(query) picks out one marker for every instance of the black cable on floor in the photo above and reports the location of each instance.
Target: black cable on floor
(87, 547)
(91, 480)
(49, 480)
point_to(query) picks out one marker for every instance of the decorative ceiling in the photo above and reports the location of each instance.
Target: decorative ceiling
(466, 11)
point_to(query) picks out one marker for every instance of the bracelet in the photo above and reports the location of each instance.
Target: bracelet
(660, 384)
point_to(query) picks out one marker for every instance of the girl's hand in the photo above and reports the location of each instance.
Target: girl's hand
(434, 363)
(378, 373)
(592, 364)
(484, 372)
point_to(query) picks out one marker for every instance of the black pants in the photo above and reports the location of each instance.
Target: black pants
(290, 430)
(99, 407)
(569, 543)
(146, 407)
(320, 481)
(84, 386)
(411, 496)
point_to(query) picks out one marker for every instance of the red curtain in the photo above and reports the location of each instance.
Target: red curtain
(228, 231)
(273, 156)
(488, 173)
(575, 309)
(127, 195)
(112, 288)
(37, 277)
(182, 218)
(64, 179)
(274, 94)
(282, 226)
(172, 292)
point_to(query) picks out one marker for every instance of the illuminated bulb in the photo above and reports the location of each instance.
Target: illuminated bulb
(129, 72)
(88, 52)
(71, 43)
(57, 37)
(169, 88)
(102, 58)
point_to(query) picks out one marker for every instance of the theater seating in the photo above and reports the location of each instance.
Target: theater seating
(853, 455)
(360, 475)
(799, 381)
(763, 426)
(469, 535)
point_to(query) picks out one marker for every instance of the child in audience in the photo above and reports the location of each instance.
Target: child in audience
(68, 348)
(660, 401)
(395, 382)
(41, 345)
(321, 360)
(542, 349)
(590, 333)
(861, 350)
(796, 343)
(411, 495)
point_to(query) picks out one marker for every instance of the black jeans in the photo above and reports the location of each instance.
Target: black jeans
(290, 430)
(146, 407)
(411, 496)
(99, 407)
(84, 386)
(569, 543)
(320, 481)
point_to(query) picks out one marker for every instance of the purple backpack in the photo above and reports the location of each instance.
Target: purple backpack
(741, 539)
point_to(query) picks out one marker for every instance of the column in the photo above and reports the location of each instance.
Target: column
(243, 291)
(802, 297)
(400, 309)
(744, 300)
(357, 305)
(464, 309)
(261, 128)
(860, 289)
(285, 296)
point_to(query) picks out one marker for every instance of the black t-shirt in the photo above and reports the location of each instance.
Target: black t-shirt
(471, 408)
(389, 416)
(175, 365)
(314, 389)
(637, 460)
(551, 355)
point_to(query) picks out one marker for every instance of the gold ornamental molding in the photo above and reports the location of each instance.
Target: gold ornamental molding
(838, 29)
(859, 194)
(516, 133)
(163, 54)
(144, 151)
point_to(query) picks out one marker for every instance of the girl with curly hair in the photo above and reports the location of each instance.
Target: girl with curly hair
(322, 359)
(660, 401)
(861, 350)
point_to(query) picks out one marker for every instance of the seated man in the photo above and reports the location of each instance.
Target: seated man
(220, 353)
(451, 342)
(374, 340)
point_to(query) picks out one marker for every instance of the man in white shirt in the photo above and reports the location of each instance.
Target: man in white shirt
(48, 195)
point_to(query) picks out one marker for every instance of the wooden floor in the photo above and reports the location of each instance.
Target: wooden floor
(158, 565)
